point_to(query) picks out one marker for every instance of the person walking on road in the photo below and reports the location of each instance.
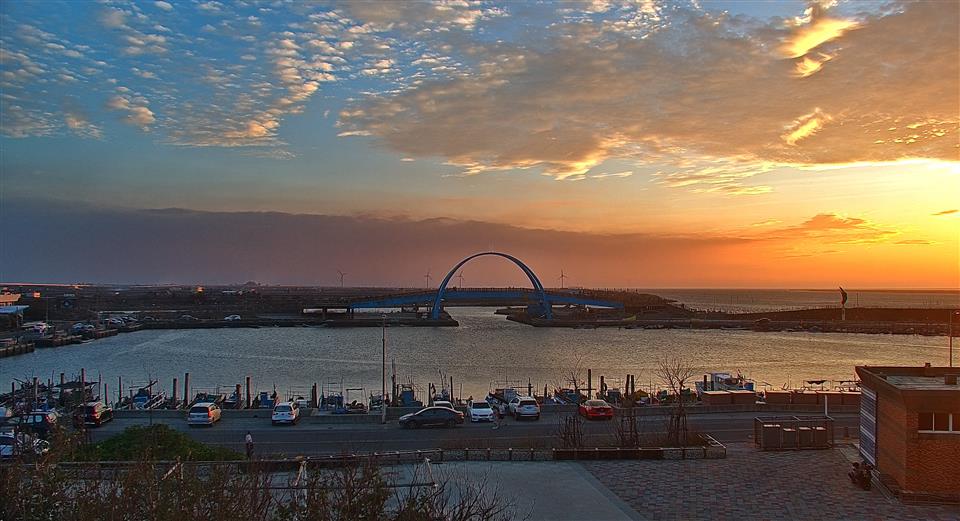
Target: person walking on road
(497, 417)
(249, 443)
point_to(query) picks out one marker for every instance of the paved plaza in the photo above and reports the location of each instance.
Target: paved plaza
(750, 484)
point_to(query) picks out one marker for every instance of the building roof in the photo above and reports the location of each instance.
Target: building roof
(921, 383)
(920, 388)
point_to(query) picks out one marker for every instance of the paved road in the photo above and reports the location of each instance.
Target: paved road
(312, 438)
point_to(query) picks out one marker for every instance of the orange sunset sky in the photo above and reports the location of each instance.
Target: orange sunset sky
(641, 144)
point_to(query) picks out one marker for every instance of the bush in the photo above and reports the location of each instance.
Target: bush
(153, 442)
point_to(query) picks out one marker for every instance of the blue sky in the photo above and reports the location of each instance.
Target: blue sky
(657, 117)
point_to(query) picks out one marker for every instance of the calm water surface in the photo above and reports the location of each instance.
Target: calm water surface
(485, 349)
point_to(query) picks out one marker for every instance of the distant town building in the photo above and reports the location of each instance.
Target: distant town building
(910, 429)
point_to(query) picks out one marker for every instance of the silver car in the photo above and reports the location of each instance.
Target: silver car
(204, 414)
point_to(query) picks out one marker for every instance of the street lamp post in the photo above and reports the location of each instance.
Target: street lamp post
(383, 380)
(950, 333)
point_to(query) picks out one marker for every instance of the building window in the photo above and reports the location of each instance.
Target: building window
(938, 422)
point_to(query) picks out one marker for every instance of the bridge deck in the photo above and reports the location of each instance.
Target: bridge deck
(481, 294)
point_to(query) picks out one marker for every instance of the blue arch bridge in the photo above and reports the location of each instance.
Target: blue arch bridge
(539, 300)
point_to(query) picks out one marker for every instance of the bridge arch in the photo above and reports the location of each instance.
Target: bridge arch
(537, 286)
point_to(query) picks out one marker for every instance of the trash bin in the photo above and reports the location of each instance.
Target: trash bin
(789, 438)
(771, 436)
(805, 435)
(820, 437)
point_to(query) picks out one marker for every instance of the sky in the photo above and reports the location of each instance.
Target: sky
(637, 144)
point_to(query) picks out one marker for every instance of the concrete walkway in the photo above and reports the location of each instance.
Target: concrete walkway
(547, 491)
(751, 484)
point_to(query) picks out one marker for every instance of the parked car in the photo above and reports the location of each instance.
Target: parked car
(481, 412)
(14, 445)
(81, 327)
(443, 403)
(231, 318)
(204, 413)
(431, 416)
(524, 407)
(92, 413)
(596, 410)
(188, 318)
(285, 412)
(41, 424)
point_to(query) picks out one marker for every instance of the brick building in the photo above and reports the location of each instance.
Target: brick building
(910, 429)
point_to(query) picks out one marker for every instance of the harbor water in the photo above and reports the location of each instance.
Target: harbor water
(485, 350)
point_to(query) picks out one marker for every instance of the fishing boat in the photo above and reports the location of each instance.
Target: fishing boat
(146, 399)
(567, 395)
(724, 382)
(234, 401)
(205, 397)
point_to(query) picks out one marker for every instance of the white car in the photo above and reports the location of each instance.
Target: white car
(204, 413)
(524, 407)
(231, 318)
(481, 412)
(285, 412)
(443, 403)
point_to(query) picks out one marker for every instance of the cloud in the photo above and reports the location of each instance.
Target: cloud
(230, 247)
(831, 228)
(623, 174)
(915, 242)
(78, 124)
(163, 5)
(703, 96)
(112, 18)
(946, 212)
(137, 112)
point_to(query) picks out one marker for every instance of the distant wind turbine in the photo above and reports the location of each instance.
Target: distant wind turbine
(562, 277)
(342, 274)
(427, 277)
(460, 278)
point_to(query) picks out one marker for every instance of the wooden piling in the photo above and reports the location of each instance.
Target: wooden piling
(176, 391)
(239, 397)
(248, 393)
(83, 385)
(106, 395)
(36, 392)
(186, 390)
(313, 395)
(119, 389)
(589, 384)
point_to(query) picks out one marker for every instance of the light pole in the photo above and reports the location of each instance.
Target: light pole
(383, 380)
(950, 333)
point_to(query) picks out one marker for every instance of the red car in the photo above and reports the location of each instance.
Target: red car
(596, 410)
(92, 413)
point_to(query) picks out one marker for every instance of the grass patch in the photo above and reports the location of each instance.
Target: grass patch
(153, 442)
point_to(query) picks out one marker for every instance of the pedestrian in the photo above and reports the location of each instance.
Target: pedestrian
(249, 443)
(497, 417)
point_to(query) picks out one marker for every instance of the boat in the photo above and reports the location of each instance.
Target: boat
(234, 401)
(146, 398)
(205, 397)
(566, 395)
(724, 382)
